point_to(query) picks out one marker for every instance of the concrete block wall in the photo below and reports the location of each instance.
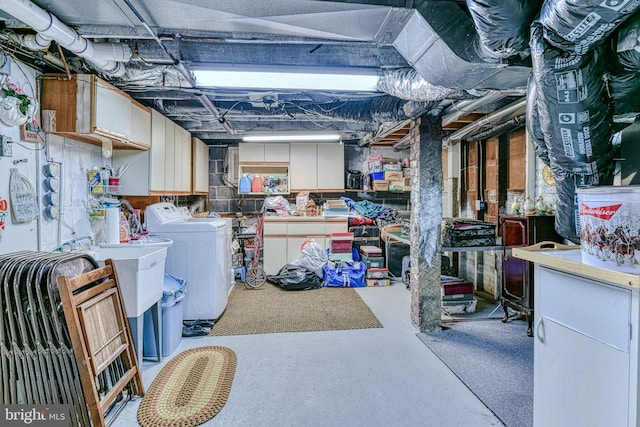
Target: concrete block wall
(223, 198)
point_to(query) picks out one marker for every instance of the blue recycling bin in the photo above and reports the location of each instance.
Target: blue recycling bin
(173, 292)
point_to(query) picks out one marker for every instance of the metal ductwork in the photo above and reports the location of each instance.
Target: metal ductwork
(439, 41)
(437, 38)
(108, 57)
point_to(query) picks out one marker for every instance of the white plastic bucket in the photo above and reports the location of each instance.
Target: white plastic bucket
(610, 227)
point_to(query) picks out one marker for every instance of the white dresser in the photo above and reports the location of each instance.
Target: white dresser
(586, 332)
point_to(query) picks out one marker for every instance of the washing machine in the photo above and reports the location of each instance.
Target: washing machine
(200, 254)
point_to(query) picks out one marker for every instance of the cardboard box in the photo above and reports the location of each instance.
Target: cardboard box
(456, 288)
(378, 282)
(457, 297)
(380, 185)
(370, 251)
(406, 184)
(392, 167)
(377, 273)
(373, 262)
(392, 175)
(459, 307)
(396, 185)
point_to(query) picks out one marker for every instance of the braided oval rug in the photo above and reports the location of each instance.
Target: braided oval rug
(189, 390)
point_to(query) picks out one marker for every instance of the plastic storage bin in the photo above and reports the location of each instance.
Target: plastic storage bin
(173, 293)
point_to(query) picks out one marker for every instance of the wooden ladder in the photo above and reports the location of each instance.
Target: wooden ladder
(97, 323)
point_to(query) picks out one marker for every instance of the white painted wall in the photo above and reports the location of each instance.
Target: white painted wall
(18, 236)
(74, 158)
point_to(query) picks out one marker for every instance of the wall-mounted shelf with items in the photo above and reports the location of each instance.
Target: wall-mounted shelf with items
(103, 190)
(266, 179)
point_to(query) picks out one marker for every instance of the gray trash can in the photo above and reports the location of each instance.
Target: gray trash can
(174, 291)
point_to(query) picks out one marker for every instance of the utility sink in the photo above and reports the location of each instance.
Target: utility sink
(143, 241)
(140, 270)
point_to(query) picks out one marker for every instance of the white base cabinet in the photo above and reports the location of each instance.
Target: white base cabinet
(586, 331)
(283, 237)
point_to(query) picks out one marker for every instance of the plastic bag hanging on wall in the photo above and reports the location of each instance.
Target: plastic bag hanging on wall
(24, 203)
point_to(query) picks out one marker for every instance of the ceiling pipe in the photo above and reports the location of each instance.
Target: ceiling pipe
(460, 109)
(515, 107)
(176, 62)
(108, 57)
(497, 129)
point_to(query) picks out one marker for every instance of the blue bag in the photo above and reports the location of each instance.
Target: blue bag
(344, 274)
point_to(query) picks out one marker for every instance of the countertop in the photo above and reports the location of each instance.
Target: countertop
(318, 218)
(569, 259)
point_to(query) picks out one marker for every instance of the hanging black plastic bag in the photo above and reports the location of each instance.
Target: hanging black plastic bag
(296, 278)
(503, 26)
(624, 80)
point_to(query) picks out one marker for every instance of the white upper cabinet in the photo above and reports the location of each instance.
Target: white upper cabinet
(253, 152)
(302, 167)
(169, 155)
(165, 168)
(90, 109)
(200, 164)
(316, 167)
(182, 161)
(157, 152)
(330, 166)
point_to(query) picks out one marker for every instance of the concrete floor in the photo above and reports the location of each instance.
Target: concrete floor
(368, 377)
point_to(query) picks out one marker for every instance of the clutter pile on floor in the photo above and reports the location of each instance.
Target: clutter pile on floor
(196, 328)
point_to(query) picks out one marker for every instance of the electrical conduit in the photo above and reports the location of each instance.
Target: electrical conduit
(108, 57)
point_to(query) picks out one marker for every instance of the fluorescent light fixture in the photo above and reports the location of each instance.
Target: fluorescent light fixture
(292, 138)
(263, 77)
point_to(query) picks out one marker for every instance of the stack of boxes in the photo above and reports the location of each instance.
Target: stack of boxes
(377, 274)
(365, 235)
(341, 245)
(393, 175)
(457, 295)
(391, 178)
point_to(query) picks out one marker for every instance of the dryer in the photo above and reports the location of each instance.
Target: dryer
(200, 254)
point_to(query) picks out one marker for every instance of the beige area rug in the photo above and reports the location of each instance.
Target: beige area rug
(271, 309)
(189, 390)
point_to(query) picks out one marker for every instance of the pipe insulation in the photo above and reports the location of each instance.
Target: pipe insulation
(517, 107)
(108, 57)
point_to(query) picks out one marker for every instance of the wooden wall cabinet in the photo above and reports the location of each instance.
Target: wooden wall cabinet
(89, 109)
(517, 275)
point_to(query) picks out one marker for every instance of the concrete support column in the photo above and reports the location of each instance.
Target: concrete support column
(426, 219)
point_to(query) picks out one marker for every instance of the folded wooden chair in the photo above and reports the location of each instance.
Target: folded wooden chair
(102, 344)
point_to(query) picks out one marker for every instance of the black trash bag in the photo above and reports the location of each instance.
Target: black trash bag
(567, 219)
(625, 87)
(580, 26)
(574, 108)
(566, 214)
(627, 44)
(503, 26)
(296, 278)
(624, 79)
